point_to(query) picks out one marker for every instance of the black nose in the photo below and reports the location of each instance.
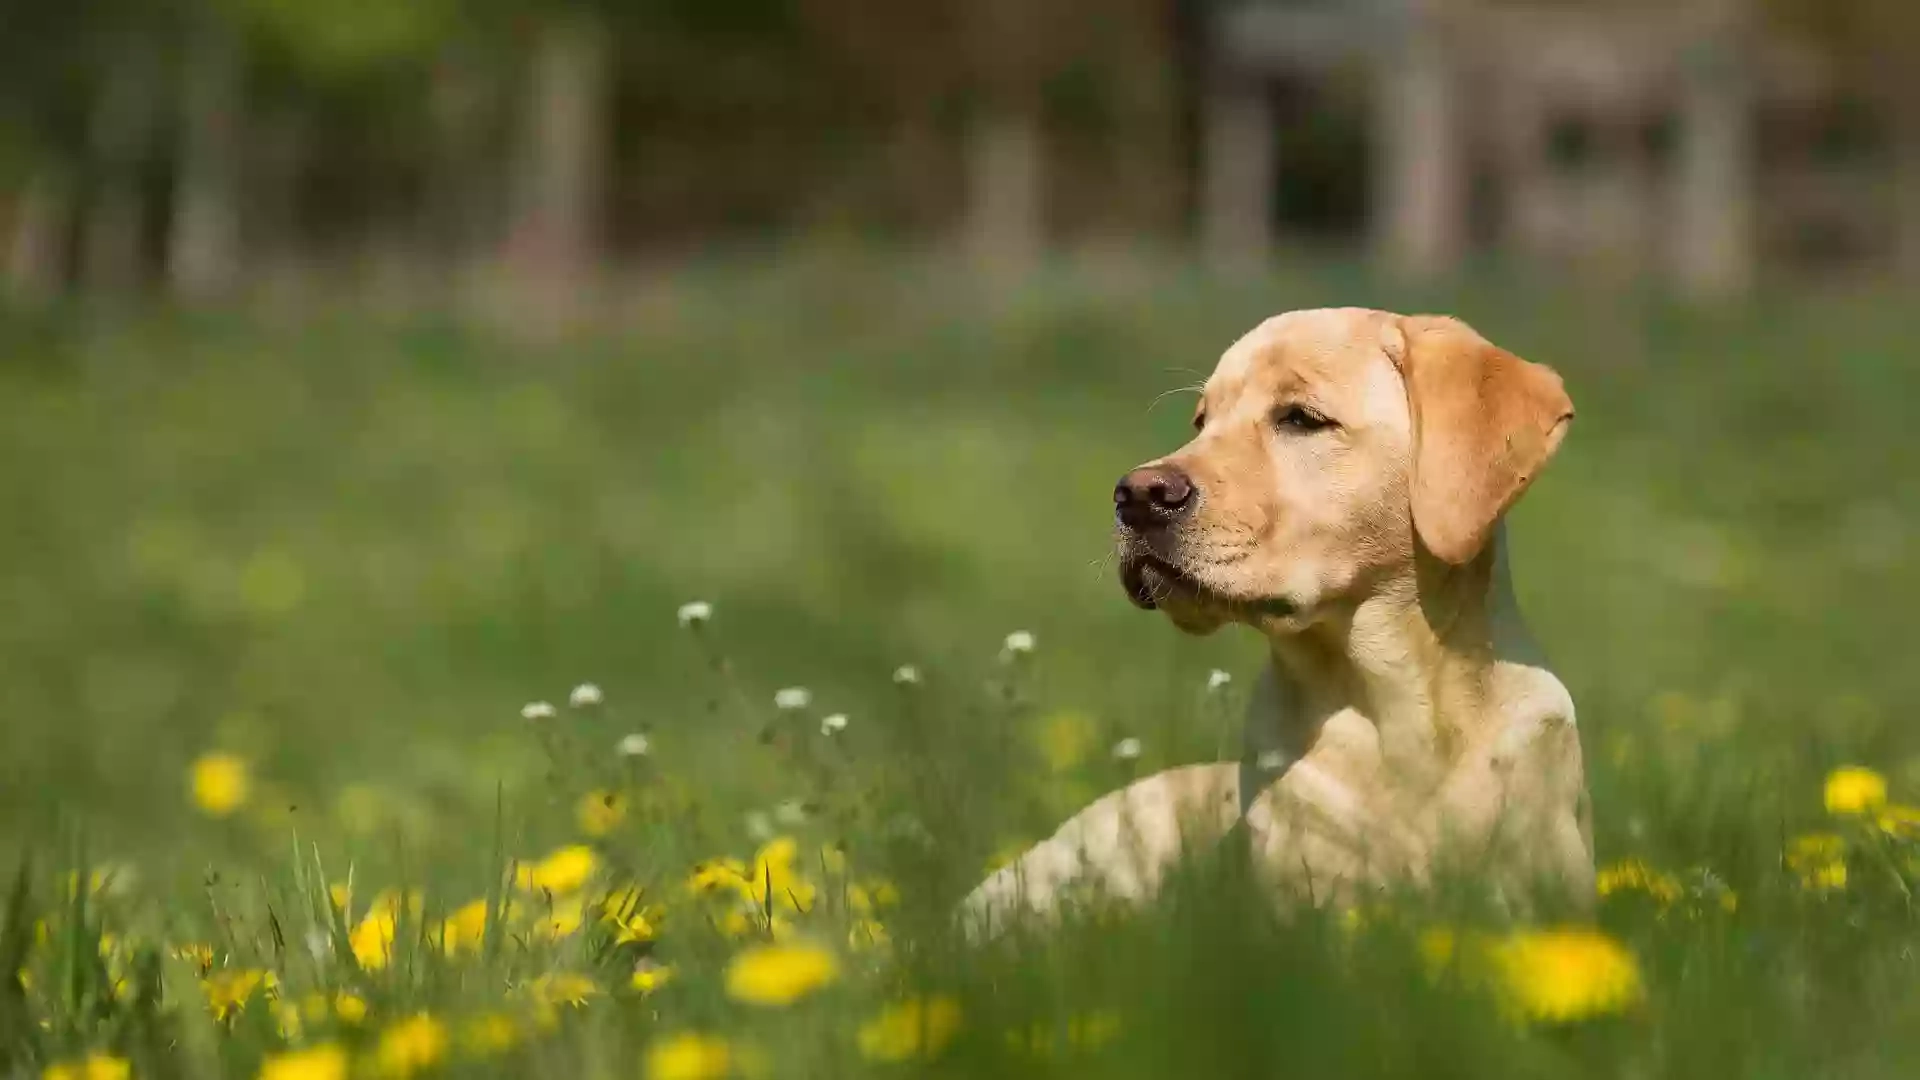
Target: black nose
(1152, 495)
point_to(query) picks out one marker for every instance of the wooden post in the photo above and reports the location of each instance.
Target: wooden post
(1714, 198)
(1005, 223)
(1420, 225)
(554, 238)
(203, 254)
(1238, 174)
(37, 249)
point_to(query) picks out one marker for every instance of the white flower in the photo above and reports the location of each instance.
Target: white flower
(1018, 642)
(791, 813)
(792, 697)
(694, 613)
(538, 710)
(906, 675)
(634, 745)
(833, 725)
(1270, 760)
(1127, 749)
(584, 695)
(1217, 679)
(759, 826)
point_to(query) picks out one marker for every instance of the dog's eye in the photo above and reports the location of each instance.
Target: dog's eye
(1199, 421)
(1300, 418)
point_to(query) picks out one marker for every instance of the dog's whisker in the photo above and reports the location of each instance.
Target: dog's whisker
(1165, 394)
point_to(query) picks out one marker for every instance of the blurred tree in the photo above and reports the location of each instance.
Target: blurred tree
(51, 59)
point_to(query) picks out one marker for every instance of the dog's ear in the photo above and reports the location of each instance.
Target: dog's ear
(1484, 424)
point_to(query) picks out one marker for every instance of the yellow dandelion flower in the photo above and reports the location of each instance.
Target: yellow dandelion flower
(324, 1062)
(624, 901)
(773, 870)
(462, 931)
(719, 876)
(1855, 789)
(372, 940)
(780, 974)
(874, 895)
(864, 934)
(489, 1034)
(92, 1067)
(199, 955)
(219, 784)
(562, 917)
(689, 1056)
(562, 988)
(563, 871)
(349, 1007)
(1820, 859)
(1566, 974)
(648, 977)
(228, 991)
(600, 812)
(1899, 821)
(749, 921)
(1634, 874)
(915, 1028)
(340, 894)
(315, 1008)
(413, 1045)
(634, 929)
(833, 861)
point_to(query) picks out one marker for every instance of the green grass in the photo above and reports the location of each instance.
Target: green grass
(350, 551)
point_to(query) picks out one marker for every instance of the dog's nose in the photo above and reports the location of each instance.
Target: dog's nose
(1153, 495)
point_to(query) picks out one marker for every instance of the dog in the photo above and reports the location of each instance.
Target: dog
(1343, 496)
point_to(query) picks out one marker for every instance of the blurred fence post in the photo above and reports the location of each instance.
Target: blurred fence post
(553, 248)
(203, 257)
(1237, 184)
(1714, 211)
(1420, 224)
(1005, 218)
(119, 133)
(37, 246)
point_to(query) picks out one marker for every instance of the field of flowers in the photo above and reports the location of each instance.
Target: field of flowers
(382, 702)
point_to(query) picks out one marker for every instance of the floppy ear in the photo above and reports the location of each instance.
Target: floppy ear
(1484, 424)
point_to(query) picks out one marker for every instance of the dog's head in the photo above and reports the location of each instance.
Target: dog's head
(1332, 449)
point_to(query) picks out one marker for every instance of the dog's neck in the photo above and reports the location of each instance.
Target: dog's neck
(1401, 680)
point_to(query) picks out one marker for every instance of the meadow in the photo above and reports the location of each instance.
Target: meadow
(383, 697)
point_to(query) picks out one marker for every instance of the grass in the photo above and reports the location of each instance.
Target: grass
(347, 553)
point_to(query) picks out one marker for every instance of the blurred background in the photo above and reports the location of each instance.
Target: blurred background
(371, 368)
(205, 150)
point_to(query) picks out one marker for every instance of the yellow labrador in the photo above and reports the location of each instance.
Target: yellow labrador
(1342, 495)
